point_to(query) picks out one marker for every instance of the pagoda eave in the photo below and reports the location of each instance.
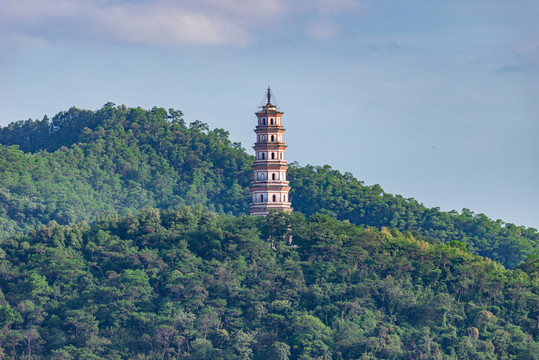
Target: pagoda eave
(273, 128)
(267, 146)
(264, 209)
(262, 185)
(262, 164)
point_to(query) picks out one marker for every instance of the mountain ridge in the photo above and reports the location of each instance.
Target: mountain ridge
(118, 160)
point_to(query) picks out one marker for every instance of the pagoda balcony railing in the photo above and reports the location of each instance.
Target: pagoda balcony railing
(268, 127)
(270, 182)
(271, 161)
(280, 143)
(271, 203)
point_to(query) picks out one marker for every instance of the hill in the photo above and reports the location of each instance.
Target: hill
(119, 160)
(190, 284)
(116, 160)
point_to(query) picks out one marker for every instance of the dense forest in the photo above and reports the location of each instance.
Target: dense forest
(118, 160)
(123, 235)
(191, 284)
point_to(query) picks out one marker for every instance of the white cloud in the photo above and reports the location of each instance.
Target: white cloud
(234, 22)
(159, 25)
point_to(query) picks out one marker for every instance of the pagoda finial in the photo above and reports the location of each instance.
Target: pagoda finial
(269, 95)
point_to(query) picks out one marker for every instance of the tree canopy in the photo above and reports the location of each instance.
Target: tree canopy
(118, 160)
(192, 284)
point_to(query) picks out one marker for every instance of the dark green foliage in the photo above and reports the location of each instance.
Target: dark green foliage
(191, 284)
(324, 190)
(118, 160)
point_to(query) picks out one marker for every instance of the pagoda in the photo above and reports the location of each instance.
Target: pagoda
(269, 188)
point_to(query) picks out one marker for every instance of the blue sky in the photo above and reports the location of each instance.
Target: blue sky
(435, 100)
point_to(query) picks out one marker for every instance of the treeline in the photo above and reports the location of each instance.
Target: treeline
(190, 284)
(322, 189)
(118, 160)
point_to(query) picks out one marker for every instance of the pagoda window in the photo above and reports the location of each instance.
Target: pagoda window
(261, 198)
(271, 121)
(272, 138)
(273, 176)
(263, 156)
(264, 121)
(274, 198)
(272, 156)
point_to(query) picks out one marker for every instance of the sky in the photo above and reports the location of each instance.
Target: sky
(433, 100)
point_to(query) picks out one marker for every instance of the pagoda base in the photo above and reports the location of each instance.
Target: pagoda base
(263, 209)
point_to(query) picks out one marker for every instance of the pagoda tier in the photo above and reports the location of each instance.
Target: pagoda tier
(269, 188)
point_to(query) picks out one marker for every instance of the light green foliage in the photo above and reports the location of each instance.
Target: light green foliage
(191, 284)
(367, 275)
(117, 160)
(324, 190)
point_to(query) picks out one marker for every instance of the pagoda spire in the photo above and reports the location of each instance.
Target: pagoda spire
(269, 188)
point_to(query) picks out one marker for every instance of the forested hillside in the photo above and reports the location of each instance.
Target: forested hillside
(119, 160)
(190, 284)
(116, 160)
(347, 198)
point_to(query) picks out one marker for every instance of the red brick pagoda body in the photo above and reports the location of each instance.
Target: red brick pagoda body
(270, 188)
